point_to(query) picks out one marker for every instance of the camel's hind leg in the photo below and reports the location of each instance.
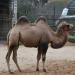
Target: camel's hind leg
(15, 58)
(8, 58)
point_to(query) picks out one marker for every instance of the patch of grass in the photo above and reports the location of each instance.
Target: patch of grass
(71, 38)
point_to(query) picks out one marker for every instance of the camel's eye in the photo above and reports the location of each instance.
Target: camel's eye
(66, 28)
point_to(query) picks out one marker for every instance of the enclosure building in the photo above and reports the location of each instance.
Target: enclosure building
(8, 13)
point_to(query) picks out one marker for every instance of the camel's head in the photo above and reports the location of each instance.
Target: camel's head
(64, 27)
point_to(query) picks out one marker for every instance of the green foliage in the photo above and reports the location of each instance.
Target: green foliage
(71, 38)
(25, 8)
(28, 8)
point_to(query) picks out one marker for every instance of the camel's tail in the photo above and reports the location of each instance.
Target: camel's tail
(22, 20)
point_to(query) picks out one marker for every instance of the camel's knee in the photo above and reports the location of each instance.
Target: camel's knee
(7, 58)
(14, 55)
(8, 54)
(38, 56)
(44, 55)
(43, 58)
(14, 58)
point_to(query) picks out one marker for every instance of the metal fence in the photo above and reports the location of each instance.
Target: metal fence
(5, 19)
(52, 15)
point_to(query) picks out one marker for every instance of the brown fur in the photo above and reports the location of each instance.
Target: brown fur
(39, 36)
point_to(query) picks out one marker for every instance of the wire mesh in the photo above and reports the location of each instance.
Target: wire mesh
(51, 11)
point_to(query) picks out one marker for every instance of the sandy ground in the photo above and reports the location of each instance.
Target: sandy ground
(59, 61)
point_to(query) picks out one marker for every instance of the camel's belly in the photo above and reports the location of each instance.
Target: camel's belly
(30, 43)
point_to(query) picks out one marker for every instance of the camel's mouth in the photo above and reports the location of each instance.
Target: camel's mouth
(66, 29)
(66, 32)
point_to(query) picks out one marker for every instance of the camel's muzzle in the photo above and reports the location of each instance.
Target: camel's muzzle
(68, 27)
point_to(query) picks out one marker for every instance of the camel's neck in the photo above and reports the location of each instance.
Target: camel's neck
(58, 40)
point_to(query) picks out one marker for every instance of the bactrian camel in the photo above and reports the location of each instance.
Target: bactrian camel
(38, 35)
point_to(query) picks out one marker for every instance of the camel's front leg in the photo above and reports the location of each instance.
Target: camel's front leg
(44, 50)
(8, 59)
(15, 58)
(38, 59)
(43, 59)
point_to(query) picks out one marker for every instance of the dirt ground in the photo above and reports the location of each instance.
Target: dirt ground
(59, 61)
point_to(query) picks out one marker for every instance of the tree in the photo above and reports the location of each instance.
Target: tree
(42, 2)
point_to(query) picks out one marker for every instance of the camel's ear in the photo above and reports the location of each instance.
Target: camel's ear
(60, 25)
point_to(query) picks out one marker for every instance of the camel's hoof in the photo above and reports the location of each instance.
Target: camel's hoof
(11, 72)
(44, 70)
(20, 71)
(37, 69)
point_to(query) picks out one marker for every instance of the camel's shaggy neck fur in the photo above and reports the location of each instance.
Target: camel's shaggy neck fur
(59, 40)
(60, 36)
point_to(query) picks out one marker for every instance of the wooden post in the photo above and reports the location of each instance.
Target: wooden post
(14, 12)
